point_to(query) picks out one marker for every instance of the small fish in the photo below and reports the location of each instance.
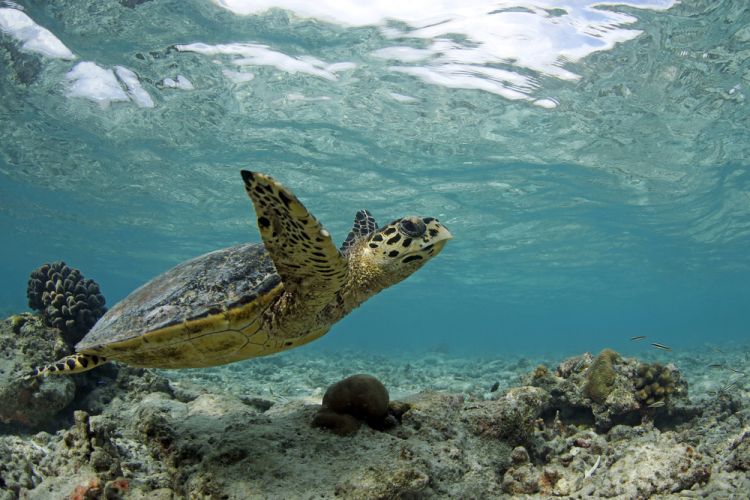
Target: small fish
(661, 346)
(728, 387)
(712, 392)
(638, 337)
(718, 350)
(657, 404)
(735, 370)
(715, 365)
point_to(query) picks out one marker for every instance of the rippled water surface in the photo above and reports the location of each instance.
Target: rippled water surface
(590, 158)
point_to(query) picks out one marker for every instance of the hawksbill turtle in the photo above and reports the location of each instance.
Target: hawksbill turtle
(250, 299)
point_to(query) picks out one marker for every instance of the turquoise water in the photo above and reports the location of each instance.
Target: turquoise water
(590, 160)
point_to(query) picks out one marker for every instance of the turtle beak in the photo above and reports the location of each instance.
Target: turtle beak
(440, 239)
(443, 235)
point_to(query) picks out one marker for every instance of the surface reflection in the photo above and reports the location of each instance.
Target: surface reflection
(501, 47)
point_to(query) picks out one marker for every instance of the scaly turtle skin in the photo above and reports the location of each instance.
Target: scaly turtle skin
(252, 300)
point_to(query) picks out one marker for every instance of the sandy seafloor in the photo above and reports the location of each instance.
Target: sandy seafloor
(243, 431)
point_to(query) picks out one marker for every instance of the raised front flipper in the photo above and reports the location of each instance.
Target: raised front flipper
(303, 252)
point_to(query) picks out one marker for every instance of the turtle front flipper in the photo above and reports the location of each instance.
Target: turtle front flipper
(75, 363)
(303, 252)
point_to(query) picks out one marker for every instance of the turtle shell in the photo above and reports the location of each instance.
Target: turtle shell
(217, 281)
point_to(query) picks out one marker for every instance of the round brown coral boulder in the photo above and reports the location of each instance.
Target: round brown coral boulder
(340, 423)
(361, 396)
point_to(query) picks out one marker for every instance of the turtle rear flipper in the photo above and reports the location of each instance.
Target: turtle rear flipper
(75, 363)
(303, 252)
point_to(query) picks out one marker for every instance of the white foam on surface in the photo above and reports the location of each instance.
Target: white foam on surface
(457, 37)
(476, 78)
(137, 93)
(252, 54)
(401, 97)
(180, 83)
(340, 66)
(349, 12)
(293, 96)
(403, 53)
(183, 83)
(33, 37)
(546, 103)
(91, 81)
(237, 76)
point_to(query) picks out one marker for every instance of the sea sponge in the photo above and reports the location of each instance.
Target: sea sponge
(601, 375)
(66, 300)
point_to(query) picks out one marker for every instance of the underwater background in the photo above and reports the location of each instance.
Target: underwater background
(590, 159)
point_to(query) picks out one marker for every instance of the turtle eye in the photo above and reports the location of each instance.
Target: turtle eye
(412, 227)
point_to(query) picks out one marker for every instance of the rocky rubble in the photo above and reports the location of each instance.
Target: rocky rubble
(25, 343)
(137, 434)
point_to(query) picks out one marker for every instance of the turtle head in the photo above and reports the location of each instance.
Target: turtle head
(403, 246)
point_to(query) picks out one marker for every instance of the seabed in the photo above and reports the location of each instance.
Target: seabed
(457, 427)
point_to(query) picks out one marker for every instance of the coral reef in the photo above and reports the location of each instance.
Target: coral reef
(662, 467)
(67, 300)
(511, 418)
(135, 434)
(739, 457)
(610, 390)
(91, 489)
(25, 342)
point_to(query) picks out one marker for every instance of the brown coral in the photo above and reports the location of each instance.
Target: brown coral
(655, 383)
(361, 396)
(601, 376)
(67, 300)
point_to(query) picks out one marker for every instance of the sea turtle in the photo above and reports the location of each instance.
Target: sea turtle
(251, 299)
